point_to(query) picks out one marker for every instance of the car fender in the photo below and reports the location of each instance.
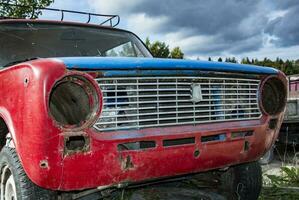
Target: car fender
(25, 89)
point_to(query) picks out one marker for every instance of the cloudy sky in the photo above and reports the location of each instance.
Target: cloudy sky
(203, 28)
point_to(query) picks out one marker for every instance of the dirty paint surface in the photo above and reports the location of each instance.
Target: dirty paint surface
(110, 63)
(40, 141)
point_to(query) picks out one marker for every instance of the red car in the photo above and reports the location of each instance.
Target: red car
(86, 108)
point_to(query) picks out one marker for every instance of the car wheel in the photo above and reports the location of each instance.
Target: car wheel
(15, 184)
(242, 182)
(268, 157)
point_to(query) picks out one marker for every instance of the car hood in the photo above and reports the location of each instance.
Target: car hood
(119, 63)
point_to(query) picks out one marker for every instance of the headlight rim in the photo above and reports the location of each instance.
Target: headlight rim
(261, 89)
(95, 112)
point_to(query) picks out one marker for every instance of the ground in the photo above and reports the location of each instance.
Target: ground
(188, 190)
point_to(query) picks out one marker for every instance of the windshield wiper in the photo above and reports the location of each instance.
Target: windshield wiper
(19, 61)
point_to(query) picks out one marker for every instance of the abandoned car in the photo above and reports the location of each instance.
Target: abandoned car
(289, 128)
(85, 108)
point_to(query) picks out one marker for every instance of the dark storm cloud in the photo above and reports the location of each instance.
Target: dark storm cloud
(286, 28)
(206, 17)
(213, 27)
(232, 23)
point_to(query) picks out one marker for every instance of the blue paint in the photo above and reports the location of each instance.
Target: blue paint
(113, 73)
(117, 63)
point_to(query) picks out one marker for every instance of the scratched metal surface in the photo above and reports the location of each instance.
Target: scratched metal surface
(109, 63)
(38, 138)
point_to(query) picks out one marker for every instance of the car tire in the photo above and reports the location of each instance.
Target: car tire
(242, 182)
(15, 184)
(268, 157)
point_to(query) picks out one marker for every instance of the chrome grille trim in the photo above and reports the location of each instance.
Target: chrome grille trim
(141, 102)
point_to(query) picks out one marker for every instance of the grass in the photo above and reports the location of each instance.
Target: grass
(283, 186)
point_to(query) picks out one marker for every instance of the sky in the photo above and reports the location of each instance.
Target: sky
(207, 28)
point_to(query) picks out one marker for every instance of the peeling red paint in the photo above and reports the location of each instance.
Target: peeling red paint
(40, 142)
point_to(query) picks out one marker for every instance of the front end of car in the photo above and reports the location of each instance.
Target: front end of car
(119, 127)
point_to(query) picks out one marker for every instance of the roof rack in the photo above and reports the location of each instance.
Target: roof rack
(110, 20)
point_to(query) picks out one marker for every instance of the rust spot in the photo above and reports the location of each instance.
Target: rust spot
(196, 153)
(44, 164)
(126, 163)
(76, 143)
(96, 74)
(26, 81)
(246, 146)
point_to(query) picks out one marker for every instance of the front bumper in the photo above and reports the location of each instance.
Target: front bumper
(106, 165)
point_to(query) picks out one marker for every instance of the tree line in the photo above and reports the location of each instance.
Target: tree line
(162, 50)
(289, 67)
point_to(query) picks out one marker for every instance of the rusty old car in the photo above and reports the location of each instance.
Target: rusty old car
(85, 108)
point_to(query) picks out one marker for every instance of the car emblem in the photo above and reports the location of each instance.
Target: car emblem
(196, 93)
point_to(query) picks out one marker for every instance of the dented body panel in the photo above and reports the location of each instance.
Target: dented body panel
(51, 162)
(107, 166)
(39, 140)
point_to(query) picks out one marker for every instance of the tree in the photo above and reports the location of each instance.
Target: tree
(219, 59)
(231, 60)
(23, 12)
(210, 59)
(177, 53)
(161, 50)
(158, 49)
(245, 61)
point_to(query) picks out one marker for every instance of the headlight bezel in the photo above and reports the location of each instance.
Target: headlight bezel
(95, 99)
(276, 87)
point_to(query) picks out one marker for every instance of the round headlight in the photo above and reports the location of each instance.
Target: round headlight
(273, 96)
(74, 101)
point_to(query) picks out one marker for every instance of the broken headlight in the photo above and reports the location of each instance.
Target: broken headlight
(75, 101)
(273, 96)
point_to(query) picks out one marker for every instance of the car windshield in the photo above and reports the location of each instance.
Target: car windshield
(21, 41)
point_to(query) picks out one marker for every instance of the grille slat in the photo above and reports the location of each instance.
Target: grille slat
(140, 102)
(182, 106)
(158, 125)
(174, 112)
(230, 89)
(174, 118)
(171, 101)
(187, 95)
